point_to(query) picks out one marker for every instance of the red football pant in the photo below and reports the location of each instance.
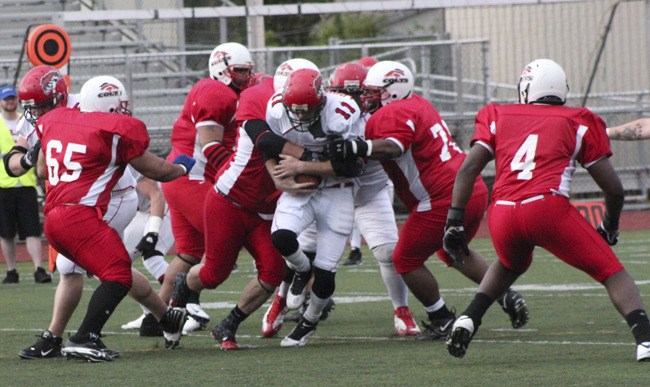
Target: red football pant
(229, 229)
(422, 233)
(186, 199)
(555, 225)
(80, 234)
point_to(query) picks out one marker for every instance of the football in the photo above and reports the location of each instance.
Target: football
(314, 180)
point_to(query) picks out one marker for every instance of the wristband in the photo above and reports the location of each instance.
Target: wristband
(24, 164)
(369, 152)
(154, 224)
(456, 216)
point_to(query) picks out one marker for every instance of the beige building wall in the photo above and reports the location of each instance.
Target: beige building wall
(569, 33)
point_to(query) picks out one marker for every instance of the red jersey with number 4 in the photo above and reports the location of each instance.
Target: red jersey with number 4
(209, 102)
(86, 154)
(424, 174)
(244, 177)
(536, 147)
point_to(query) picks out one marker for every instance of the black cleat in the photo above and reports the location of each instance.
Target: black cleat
(225, 333)
(12, 277)
(437, 328)
(460, 336)
(90, 348)
(515, 306)
(41, 276)
(355, 258)
(46, 346)
(298, 289)
(172, 325)
(300, 334)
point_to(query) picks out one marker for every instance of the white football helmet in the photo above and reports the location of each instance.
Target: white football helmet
(386, 82)
(231, 63)
(543, 81)
(287, 67)
(104, 94)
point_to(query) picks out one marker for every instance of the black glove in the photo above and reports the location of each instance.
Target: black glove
(147, 245)
(349, 168)
(347, 149)
(30, 158)
(454, 241)
(608, 229)
(308, 155)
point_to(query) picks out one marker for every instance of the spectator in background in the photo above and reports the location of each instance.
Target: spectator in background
(18, 201)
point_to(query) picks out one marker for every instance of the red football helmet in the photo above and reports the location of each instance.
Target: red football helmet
(304, 98)
(348, 79)
(367, 61)
(42, 89)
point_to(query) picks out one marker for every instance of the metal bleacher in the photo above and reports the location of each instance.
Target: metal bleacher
(157, 86)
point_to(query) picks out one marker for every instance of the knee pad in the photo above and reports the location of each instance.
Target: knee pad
(324, 284)
(67, 267)
(285, 241)
(384, 253)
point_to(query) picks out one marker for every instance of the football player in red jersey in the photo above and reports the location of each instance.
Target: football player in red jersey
(86, 151)
(206, 129)
(536, 145)
(407, 134)
(241, 206)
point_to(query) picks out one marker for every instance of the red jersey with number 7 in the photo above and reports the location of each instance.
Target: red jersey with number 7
(536, 147)
(86, 154)
(424, 174)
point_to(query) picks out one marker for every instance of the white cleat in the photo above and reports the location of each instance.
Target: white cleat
(191, 325)
(643, 351)
(135, 324)
(300, 334)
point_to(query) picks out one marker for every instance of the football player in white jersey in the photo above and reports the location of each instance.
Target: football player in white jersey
(373, 210)
(304, 114)
(150, 235)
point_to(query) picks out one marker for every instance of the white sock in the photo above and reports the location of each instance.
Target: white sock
(298, 261)
(156, 266)
(397, 289)
(435, 307)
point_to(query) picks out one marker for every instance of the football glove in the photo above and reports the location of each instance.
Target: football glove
(147, 245)
(186, 162)
(454, 241)
(30, 158)
(608, 229)
(348, 149)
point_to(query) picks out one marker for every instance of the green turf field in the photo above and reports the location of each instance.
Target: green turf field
(574, 337)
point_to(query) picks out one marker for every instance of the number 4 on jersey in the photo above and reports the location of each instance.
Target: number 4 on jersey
(524, 159)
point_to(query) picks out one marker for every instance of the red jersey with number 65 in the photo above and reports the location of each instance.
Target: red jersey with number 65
(86, 154)
(536, 147)
(424, 174)
(244, 177)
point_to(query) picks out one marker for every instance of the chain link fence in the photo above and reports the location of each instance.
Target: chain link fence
(458, 75)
